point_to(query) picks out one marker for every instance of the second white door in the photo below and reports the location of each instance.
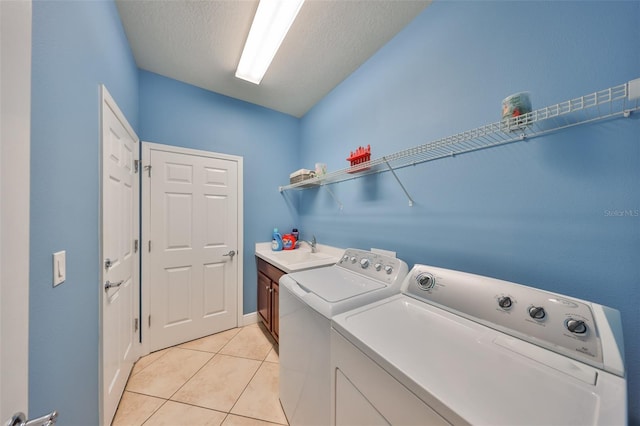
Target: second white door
(120, 263)
(192, 243)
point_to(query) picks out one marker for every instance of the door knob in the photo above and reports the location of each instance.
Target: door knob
(230, 254)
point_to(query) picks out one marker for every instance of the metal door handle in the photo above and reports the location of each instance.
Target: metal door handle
(19, 419)
(230, 254)
(109, 285)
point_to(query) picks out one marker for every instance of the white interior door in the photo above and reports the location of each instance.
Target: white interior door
(15, 119)
(120, 255)
(193, 243)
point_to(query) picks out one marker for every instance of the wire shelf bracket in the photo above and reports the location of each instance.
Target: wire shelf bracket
(340, 206)
(399, 182)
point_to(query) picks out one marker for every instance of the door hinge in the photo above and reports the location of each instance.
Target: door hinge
(149, 246)
(136, 166)
(148, 168)
(135, 325)
(135, 246)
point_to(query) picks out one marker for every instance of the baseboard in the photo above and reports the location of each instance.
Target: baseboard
(251, 318)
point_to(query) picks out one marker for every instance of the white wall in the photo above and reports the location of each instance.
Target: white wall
(15, 123)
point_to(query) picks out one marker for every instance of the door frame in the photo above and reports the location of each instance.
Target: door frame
(147, 147)
(15, 172)
(107, 101)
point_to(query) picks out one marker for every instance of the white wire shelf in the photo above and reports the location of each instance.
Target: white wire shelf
(618, 101)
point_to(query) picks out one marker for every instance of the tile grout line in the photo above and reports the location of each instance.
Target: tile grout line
(193, 375)
(152, 362)
(213, 355)
(256, 418)
(228, 413)
(254, 375)
(169, 399)
(155, 411)
(200, 369)
(197, 371)
(193, 405)
(246, 386)
(165, 399)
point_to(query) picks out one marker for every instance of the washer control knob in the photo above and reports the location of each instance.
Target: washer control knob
(576, 326)
(426, 281)
(353, 259)
(378, 266)
(505, 302)
(537, 312)
(364, 263)
(345, 258)
(388, 269)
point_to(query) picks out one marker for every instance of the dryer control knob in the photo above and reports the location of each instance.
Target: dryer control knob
(576, 326)
(345, 258)
(537, 312)
(353, 259)
(388, 269)
(426, 281)
(364, 263)
(505, 302)
(378, 266)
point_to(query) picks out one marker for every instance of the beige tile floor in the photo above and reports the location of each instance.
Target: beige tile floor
(229, 379)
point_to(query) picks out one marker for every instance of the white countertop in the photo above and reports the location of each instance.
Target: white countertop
(300, 258)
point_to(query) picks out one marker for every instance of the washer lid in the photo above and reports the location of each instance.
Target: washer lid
(459, 366)
(334, 284)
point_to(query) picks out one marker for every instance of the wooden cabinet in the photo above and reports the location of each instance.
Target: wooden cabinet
(268, 293)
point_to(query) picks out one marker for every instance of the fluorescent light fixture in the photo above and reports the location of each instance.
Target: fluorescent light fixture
(270, 25)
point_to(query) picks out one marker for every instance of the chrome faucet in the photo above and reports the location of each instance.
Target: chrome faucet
(311, 243)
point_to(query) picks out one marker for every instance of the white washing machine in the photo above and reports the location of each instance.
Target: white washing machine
(456, 348)
(308, 301)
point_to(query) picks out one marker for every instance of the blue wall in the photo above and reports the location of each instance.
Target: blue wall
(533, 212)
(76, 46)
(179, 114)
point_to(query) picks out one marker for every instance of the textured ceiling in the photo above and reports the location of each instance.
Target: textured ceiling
(200, 42)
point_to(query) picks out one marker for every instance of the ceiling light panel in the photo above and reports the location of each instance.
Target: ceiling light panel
(269, 28)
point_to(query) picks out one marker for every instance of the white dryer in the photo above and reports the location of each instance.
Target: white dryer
(456, 348)
(308, 301)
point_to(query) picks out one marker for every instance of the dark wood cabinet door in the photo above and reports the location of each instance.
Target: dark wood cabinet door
(268, 295)
(264, 299)
(275, 309)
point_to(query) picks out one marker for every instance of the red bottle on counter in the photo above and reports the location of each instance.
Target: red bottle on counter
(288, 242)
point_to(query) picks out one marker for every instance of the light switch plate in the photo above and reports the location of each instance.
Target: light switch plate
(59, 267)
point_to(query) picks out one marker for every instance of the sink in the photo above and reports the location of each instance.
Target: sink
(299, 256)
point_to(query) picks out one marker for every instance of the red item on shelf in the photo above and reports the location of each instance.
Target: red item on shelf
(359, 158)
